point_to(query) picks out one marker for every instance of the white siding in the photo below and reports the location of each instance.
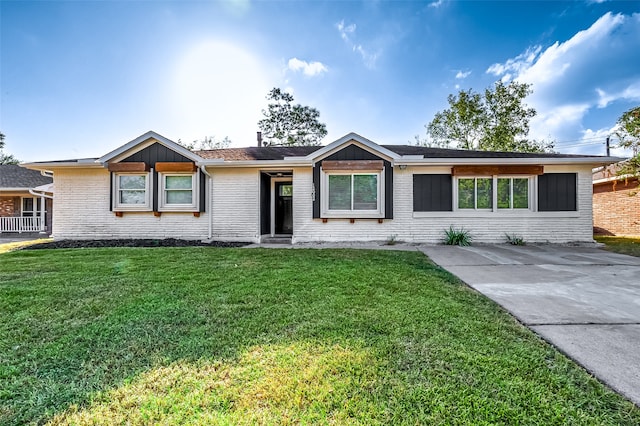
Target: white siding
(236, 204)
(81, 211)
(556, 227)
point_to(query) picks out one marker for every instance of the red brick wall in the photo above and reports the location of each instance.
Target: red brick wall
(8, 206)
(617, 210)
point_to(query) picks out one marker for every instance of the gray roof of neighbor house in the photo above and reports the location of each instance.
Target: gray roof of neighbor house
(14, 177)
(280, 152)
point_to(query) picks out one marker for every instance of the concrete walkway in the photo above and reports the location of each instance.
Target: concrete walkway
(583, 300)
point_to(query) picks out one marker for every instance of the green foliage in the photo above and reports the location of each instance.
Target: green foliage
(457, 237)
(515, 240)
(209, 142)
(288, 124)
(497, 120)
(629, 134)
(204, 336)
(6, 158)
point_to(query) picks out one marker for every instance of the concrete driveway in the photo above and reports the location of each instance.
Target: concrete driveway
(583, 300)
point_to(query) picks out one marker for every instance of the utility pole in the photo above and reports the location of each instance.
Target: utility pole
(608, 147)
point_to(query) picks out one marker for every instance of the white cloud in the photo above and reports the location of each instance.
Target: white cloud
(436, 4)
(309, 69)
(570, 79)
(347, 33)
(462, 74)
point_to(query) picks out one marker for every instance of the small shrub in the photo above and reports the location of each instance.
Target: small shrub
(515, 240)
(457, 237)
(392, 240)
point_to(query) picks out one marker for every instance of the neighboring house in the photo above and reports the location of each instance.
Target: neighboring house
(25, 198)
(616, 202)
(350, 190)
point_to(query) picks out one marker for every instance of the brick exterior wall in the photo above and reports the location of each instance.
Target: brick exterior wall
(8, 206)
(616, 209)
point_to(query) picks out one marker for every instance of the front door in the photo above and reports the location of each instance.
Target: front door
(283, 207)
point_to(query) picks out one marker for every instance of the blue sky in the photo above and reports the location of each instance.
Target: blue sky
(80, 78)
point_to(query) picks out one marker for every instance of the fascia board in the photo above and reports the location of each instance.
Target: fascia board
(498, 161)
(142, 142)
(256, 163)
(337, 144)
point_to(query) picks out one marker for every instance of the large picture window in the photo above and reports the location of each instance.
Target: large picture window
(178, 192)
(353, 195)
(132, 191)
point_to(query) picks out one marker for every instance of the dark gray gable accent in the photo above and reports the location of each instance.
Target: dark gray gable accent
(557, 192)
(156, 152)
(432, 193)
(353, 153)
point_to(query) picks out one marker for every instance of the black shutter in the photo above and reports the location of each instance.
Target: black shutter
(203, 191)
(432, 193)
(316, 191)
(388, 190)
(557, 192)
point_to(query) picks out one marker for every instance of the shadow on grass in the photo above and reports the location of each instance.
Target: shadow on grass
(203, 335)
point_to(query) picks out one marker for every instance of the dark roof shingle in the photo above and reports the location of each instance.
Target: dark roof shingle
(13, 176)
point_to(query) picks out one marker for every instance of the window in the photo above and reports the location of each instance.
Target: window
(31, 206)
(513, 193)
(131, 191)
(353, 194)
(178, 191)
(475, 193)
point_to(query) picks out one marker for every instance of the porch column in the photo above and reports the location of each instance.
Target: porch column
(42, 210)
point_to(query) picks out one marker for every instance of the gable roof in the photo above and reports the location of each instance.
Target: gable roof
(16, 177)
(258, 152)
(142, 142)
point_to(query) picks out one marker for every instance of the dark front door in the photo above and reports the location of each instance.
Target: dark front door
(284, 208)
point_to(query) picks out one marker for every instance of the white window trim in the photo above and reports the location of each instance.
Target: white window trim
(122, 207)
(530, 197)
(531, 189)
(163, 206)
(361, 214)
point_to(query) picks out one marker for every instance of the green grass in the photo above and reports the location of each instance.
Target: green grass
(623, 245)
(253, 336)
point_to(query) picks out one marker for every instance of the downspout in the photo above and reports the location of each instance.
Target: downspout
(209, 191)
(46, 173)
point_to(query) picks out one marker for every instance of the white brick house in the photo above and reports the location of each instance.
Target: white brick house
(350, 190)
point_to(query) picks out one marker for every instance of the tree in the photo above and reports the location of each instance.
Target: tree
(497, 120)
(6, 158)
(209, 142)
(288, 124)
(629, 134)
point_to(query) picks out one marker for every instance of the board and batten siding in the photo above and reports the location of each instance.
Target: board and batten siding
(81, 211)
(429, 227)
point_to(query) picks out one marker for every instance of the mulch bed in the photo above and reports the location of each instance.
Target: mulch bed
(168, 242)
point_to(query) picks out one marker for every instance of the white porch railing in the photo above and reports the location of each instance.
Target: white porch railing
(21, 224)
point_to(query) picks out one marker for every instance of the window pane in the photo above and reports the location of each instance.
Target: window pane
(339, 192)
(179, 197)
(365, 192)
(132, 182)
(132, 197)
(504, 193)
(520, 193)
(27, 204)
(485, 193)
(286, 190)
(466, 194)
(178, 182)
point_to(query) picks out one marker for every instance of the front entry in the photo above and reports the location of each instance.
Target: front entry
(283, 207)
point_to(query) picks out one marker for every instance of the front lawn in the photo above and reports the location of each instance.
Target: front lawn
(623, 245)
(255, 336)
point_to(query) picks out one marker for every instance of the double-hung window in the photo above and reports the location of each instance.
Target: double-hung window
(353, 194)
(132, 191)
(178, 192)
